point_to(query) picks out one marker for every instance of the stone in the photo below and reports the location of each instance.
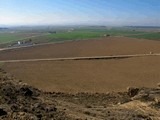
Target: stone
(131, 91)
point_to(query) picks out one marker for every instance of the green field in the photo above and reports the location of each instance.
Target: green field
(17, 36)
(81, 34)
(150, 36)
(95, 33)
(75, 34)
(8, 37)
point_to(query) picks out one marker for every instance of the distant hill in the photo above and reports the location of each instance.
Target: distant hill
(143, 26)
(3, 28)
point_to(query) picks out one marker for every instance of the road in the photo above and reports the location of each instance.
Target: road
(9, 48)
(34, 45)
(82, 58)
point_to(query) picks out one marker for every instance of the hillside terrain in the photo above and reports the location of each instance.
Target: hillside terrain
(21, 101)
(82, 89)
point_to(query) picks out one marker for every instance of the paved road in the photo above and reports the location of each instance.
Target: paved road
(82, 58)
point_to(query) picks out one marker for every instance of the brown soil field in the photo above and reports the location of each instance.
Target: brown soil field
(88, 75)
(98, 47)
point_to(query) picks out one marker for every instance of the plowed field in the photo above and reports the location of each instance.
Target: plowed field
(87, 75)
(99, 47)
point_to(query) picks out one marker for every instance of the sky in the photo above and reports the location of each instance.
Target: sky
(80, 12)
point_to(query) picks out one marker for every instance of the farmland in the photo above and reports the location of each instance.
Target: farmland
(53, 35)
(87, 75)
(92, 47)
(12, 37)
(79, 60)
(150, 36)
(82, 89)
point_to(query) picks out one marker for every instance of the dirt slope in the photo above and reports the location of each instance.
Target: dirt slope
(20, 101)
(23, 102)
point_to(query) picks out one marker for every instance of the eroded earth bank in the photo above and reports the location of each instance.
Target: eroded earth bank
(23, 102)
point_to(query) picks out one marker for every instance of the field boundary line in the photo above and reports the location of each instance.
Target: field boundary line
(81, 58)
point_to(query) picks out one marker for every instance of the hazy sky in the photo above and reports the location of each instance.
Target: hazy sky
(93, 12)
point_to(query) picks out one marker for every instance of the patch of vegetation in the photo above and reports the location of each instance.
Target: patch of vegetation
(122, 32)
(8, 37)
(150, 36)
(1, 64)
(76, 35)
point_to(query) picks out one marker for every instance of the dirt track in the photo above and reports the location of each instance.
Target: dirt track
(81, 58)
